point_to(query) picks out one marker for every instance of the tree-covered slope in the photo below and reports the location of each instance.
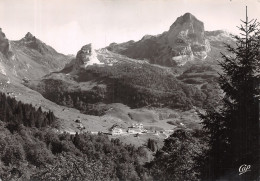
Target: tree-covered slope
(127, 81)
(32, 152)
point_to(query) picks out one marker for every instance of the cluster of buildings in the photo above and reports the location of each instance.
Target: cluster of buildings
(138, 129)
(116, 130)
(134, 129)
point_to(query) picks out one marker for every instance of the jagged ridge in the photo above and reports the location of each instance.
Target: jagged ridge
(28, 58)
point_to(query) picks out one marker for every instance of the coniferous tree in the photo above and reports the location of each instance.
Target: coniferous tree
(15, 112)
(233, 127)
(31, 120)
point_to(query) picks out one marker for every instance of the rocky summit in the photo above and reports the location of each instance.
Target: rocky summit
(185, 41)
(86, 56)
(29, 36)
(30, 41)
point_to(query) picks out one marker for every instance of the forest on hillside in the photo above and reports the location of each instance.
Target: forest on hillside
(30, 149)
(36, 151)
(135, 85)
(15, 113)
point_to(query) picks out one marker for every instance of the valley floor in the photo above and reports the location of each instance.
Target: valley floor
(158, 122)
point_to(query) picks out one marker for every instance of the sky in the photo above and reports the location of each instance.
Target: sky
(67, 25)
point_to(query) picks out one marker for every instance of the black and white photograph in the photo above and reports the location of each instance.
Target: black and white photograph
(129, 90)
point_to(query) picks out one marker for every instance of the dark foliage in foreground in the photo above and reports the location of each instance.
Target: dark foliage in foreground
(233, 127)
(175, 161)
(16, 113)
(31, 152)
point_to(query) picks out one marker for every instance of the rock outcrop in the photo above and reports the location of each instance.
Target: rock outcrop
(5, 46)
(187, 40)
(85, 56)
(29, 37)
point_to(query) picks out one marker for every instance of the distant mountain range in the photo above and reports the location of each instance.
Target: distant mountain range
(174, 70)
(185, 41)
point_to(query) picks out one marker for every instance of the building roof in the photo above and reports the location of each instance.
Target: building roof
(116, 128)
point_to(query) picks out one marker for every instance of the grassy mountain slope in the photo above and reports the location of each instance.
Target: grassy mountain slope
(28, 58)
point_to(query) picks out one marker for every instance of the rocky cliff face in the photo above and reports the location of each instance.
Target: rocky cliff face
(5, 47)
(86, 56)
(185, 41)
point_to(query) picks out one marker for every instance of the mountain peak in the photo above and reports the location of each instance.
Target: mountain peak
(29, 36)
(186, 37)
(188, 20)
(2, 35)
(86, 56)
(188, 16)
(30, 41)
(86, 50)
(187, 28)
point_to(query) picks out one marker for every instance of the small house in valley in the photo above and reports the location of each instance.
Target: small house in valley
(139, 126)
(116, 131)
(134, 130)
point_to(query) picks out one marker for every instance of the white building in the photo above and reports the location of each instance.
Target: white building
(117, 131)
(139, 126)
(134, 130)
